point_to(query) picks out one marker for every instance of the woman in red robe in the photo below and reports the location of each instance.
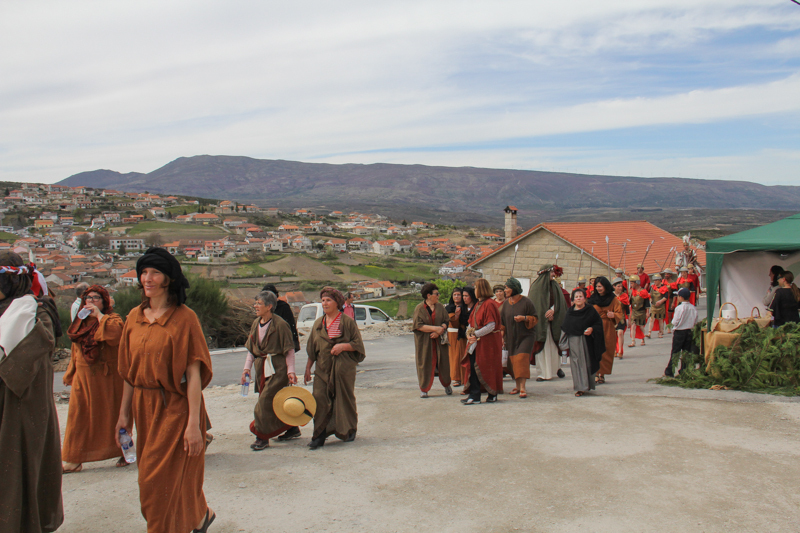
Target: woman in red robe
(484, 348)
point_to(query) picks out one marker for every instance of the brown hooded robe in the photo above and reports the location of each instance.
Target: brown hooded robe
(431, 354)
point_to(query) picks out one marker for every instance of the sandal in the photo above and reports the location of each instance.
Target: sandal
(209, 439)
(73, 470)
(514, 391)
(599, 379)
(523, 394)
(632, 345)
(207, 522)
(122, 463)
(541, 379)
(579, 393)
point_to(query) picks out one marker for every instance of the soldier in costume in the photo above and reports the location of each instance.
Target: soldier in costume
(640, 311)
(658, 306)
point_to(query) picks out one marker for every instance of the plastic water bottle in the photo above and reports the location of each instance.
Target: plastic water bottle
(128, 449)
(83, 313)
(246, 387)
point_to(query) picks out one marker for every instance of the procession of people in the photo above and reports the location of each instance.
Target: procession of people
(149, 371)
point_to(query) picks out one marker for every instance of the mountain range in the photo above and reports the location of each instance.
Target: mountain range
(463, 194)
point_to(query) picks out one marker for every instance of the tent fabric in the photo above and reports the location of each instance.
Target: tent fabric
(738, 264)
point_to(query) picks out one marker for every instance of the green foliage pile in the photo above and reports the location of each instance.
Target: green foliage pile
(764, 360)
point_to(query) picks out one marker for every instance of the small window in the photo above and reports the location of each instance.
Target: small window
(307, 313)
(378, 315)
(361, 313)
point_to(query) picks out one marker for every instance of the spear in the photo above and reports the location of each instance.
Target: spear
(590, 265)
(608, 257)
(667, 258)
(647, 252)
(516, 247)
(579, 264)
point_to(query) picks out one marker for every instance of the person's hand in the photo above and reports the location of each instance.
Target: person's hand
(245, 377)
(292, 378)
(307, 377)
(610, 314)
(124, 421)
(520, 318)
(434, 335)
(472, 339)
(95, 311)
(193, 442)
(337, 349)
(588, 331)
(458, 311)
(550, 314)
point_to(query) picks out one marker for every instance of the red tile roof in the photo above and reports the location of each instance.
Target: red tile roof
(637, 234)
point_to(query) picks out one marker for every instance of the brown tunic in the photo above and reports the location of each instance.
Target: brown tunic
(278, 341)
(431, 354)
(456, 349)
(30, 444)
(519, 336)
(153, 358)
(335, 379)
(95, 398)
(610, 333)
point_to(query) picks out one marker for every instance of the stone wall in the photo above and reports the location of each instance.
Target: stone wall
(539, 249)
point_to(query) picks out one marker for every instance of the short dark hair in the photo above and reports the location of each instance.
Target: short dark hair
(428, 289)
(576, 290)
(80, 288)
(271, 288)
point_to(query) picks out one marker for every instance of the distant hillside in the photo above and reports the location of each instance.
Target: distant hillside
(471, 194)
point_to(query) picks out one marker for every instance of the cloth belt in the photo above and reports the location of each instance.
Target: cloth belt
(163, 393)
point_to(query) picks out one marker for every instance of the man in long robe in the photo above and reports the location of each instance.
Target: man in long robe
(548, 299)
(30, 444)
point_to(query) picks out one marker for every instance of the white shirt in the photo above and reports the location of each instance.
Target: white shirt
(76, 306)
(685, 316)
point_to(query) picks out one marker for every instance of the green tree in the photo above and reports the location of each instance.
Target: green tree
(169, 215)
(446, 287)
(78, 215)
(206, 299)
(126, 299)
(404, 222)
(122, 250)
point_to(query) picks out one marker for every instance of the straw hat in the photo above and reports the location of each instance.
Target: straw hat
(581, 280)
(294, 406)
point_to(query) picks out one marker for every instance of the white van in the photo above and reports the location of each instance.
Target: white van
(365, 315)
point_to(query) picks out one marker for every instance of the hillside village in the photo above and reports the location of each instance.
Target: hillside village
(78, 234)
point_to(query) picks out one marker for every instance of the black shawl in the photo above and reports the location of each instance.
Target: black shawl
(576, 322)
(463, 318)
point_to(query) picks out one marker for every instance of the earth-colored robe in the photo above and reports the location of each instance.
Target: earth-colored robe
(278, 341)
(95, 398)
(153, 358)
(458, 345)
(335, 378)
(609, 333)
(519, 336)
(30, 443)
(489, 349)
(431, 355)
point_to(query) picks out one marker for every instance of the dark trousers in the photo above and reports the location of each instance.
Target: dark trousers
(474, 382)
(681, 341)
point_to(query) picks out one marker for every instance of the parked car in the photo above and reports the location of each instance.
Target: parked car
(365, 315)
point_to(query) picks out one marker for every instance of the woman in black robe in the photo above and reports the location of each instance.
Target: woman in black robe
(582, 334)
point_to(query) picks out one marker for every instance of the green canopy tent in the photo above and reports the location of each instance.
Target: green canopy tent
(737, 266)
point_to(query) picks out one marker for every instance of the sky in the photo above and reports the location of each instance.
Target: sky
(686, 88)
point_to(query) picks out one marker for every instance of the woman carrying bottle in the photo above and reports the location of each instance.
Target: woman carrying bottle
(96, 394)
(164, 360)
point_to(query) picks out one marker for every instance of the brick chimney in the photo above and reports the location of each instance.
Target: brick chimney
(511, 223)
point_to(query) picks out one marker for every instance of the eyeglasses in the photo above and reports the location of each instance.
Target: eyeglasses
(435, 293)
(95, 298)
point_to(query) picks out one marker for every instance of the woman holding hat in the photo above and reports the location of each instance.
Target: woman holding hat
(96, 385)
(609, 308)
(518, 319)
(30, 445)
(429, 323)
(164, 360)
(271, 347)
(334, 348)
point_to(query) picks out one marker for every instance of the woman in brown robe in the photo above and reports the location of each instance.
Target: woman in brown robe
(484, 347)
(518, 319)
(164, 360)
(30, 444)
(334, 348)
(429, 323)
(610, 310)
(96, 385)
(270, 347)
(456, 335)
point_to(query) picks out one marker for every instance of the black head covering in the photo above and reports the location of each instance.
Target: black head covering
(165, 262)
(471, 292)
(605, 299)
(575, 324)
(271, 288)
